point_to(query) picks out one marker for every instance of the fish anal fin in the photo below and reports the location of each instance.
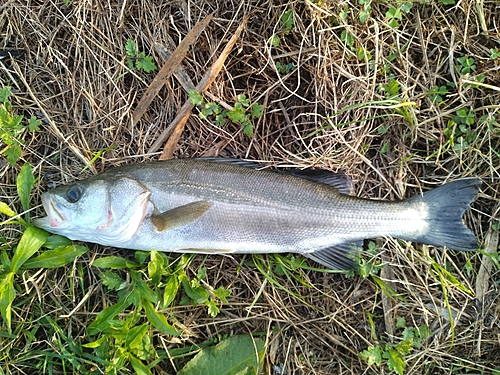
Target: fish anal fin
(336, 257)
(193, 250)
(180, 216)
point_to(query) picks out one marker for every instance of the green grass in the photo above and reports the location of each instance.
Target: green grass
(366, 88)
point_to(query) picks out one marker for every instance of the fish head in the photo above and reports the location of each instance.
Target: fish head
(104, 210)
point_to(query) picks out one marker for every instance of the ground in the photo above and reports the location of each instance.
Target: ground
(403, 97)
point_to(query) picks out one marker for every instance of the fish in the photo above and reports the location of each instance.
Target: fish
(230, 206)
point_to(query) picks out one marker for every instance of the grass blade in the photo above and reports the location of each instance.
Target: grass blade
(158, 320)
(56, 258)
(7, 295)
(31, 241)
(25, 181)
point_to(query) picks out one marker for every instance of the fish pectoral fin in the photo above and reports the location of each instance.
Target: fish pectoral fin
(336, 257)
(180, 216)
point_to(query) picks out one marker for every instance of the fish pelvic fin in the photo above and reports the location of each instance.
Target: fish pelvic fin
(180, 216)
(338, 257)
(446, 205)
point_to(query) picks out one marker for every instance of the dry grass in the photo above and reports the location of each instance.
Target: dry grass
(329, 113)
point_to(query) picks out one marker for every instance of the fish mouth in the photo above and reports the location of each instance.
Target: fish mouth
(55, 216)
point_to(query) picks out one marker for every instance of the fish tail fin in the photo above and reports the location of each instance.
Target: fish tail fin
(446, 205)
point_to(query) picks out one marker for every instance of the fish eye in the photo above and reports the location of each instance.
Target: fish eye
(74, 193)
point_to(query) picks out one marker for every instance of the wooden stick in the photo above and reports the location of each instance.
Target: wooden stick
(168, 69)
(174, 130)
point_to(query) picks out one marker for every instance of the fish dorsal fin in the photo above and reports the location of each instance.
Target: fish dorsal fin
(180, 216)
(240, 162)
(336, 257)
(341, 181)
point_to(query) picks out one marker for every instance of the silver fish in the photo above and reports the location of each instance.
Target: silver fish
(227, 206)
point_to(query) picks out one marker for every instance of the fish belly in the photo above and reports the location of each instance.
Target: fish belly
(245, 228)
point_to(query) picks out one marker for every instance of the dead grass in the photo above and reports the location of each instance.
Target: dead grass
(328, 113)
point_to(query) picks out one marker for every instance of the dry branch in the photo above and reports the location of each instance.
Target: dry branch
(168, 69)
(177, 125)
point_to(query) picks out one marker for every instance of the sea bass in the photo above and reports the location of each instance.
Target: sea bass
(227, 206)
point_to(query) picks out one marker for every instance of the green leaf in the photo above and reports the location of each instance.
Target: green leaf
(25, 181)
(406, 7)
(112, 280)
(242, 98)
(31, 240)
(256, 110)
(13, 153)
(202, 273)
(34, 124)
(424, 332)
(114, 262)
(139, 367)
(197, 295)
(4, 259)
(363, 54)
(130, 63)
(7, 295)
(347, 38)
(141, 256)
(195, 97)
(145, 63)
(237, 114)
(364, 14)
(155, 267)
(158, 320)
(171, 289)
(372, 355)
(220, 120)
(96, 343)
(56, 258)
(104, 318)
(131, 48)
(135, 336)
(6, 210)
(287, 20)
(130, 293)
(230, 356)
(393, 23)
(394, 361)
(221, 293)
(405, 346)
(213, 309)
(275, 41)
(394, 13)
(391, 89)
(248, 129)
(145, 292)
(5, 93)
(55, 240)
(384, 147)
(344, 13)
